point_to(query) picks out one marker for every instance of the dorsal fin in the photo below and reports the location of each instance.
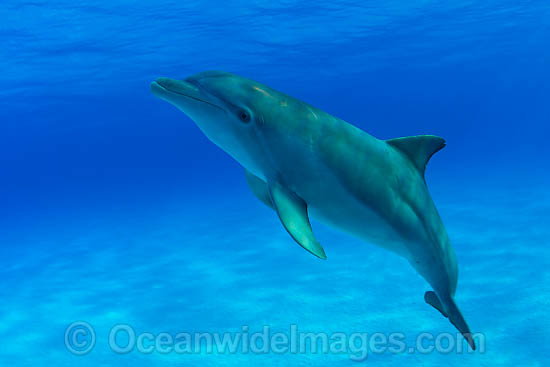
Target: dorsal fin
(418, 148)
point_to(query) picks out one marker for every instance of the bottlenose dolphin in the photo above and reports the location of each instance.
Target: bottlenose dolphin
(301, 161)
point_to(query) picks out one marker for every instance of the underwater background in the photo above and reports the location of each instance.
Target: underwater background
(117, 210)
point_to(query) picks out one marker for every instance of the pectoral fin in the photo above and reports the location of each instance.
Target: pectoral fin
(292, 211)
(259, 188)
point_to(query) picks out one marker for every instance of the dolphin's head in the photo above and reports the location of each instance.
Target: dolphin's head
(229, 109)
(196, 98)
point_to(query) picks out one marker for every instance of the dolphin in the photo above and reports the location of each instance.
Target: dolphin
(302, 162)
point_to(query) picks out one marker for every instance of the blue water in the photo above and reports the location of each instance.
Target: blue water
(117, 210)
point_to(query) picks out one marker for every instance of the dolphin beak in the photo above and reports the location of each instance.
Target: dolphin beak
(181, 93)
(163, 87)
(157, 89)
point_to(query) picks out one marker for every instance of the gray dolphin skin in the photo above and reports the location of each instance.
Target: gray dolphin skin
(301, 162)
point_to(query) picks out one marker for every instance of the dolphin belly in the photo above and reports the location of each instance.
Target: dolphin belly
(332, 204)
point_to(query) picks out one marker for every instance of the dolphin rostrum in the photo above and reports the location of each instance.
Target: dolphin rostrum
(301, 162)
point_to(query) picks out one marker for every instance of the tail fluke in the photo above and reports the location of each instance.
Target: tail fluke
(451, 312)
(431, 299)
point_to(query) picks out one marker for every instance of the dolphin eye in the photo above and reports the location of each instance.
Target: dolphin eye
(244, 116)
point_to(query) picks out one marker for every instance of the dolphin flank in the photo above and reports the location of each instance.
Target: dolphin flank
(301, 162)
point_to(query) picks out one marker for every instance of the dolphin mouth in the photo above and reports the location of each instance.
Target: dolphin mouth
(163, 87)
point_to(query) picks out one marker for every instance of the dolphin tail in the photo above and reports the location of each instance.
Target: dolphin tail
(450, 310)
